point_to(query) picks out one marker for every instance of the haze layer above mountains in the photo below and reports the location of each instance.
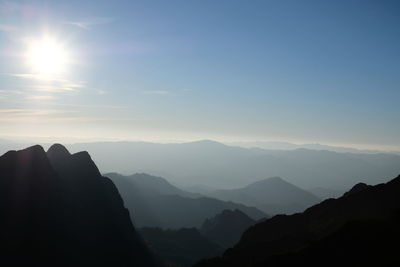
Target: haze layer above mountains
(225, 167)
(212, 165)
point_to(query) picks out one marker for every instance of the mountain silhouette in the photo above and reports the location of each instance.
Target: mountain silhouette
(359, 229)
(226, 227)
(57, 210)
(325, 193)
(156, 203)
(182, 247)
(226, 167)
(152, 185)
(357, 188)
(273, 196)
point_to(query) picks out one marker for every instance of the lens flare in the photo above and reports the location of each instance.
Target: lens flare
(47, 56)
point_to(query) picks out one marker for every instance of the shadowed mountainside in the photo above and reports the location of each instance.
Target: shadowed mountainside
(182, 247)
(152, 185)
(167, 206)
(57, 210)
(226, 228)
(358, 229)
(273, 196)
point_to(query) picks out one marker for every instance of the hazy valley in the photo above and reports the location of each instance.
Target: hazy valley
(213, 133)
(172, 226)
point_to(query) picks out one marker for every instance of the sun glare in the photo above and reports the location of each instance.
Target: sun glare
(47, 56)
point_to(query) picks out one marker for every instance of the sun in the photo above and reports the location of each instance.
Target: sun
(47, 56)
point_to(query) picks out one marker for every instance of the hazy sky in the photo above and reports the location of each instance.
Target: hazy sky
(299, 71)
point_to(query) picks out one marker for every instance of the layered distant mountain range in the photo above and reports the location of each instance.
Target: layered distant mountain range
(358, 229)
(213, 165)
(220, 166)
(156, 203)
(273, 196)
(58, 210)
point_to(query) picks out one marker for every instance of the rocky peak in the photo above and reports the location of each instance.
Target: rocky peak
(357, 188)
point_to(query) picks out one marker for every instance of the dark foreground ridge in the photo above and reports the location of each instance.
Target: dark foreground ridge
(359, 229)
(57, 210)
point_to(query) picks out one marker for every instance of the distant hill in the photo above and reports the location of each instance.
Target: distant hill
(57, 210)
(180, 248)
(290, 146)
(226, 167)
(218, 166)
(152, 185)
(325, 193)
(226, 227)
(156, 203)
(273, 196)
(358, 229)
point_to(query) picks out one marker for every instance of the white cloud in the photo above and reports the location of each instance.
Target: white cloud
(42, 116)
(9, 92)
(53, 89)
(40, 97)
(32, 112)
(55, 85)
(102, 92)
(88, 23)
(88, 106)
(34, 119)
(156, 92)
(39, 77)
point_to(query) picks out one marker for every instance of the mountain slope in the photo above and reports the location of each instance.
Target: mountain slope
(182, 247)
(152, 185)
(226, 227)
(59, 211)
(325, 193)
(273, 196)
(334, 228)
(158, 207)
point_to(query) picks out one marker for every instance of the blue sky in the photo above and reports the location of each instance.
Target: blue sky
(297, 71)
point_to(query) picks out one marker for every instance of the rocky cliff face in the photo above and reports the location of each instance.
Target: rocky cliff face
(57, 210)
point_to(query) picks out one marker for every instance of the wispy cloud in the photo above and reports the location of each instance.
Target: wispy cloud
(102, 92)
(156, 92)
(7, 95)
(54, 89)
(11, 92)
(88, 23)
(45, 116)
(51, 84)
(88, 106)
(40, 97)
(166, 92)
(42, 116)
(32, 119)
(32, 112)
(38, 77)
